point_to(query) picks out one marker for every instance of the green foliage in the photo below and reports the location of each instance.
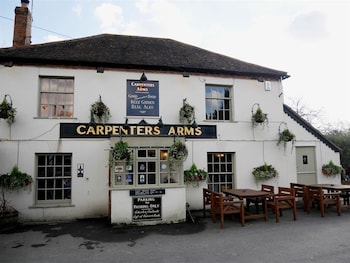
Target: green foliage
(177, 153)
(264, 172)
(259, 117)
(331, 169)
(341, 138)
(195, 175)
(120, 151)
(186, 113)
(286, 136)
(100, 111)
(7, 111)
(14, 180)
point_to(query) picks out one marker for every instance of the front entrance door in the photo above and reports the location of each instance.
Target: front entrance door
(306, 165)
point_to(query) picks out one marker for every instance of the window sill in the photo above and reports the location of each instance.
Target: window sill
(51, 206)
(55, 118)
(131, 187)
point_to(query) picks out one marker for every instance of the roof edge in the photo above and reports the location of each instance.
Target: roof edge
(295, 116)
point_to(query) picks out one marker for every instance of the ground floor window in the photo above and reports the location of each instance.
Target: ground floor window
(148, 167)
(54, 178)
(220, 171)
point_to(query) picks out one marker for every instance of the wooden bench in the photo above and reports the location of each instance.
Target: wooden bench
(300, 193)
(317, 195)
(284, 199)
(226, 205)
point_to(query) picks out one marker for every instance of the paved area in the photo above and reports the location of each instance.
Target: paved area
(309, 239)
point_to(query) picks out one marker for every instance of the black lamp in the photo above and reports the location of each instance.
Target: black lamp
(160, 123)
(143, 77)
(8, 64)
(143, 122)
(194, 124)
(100, 69)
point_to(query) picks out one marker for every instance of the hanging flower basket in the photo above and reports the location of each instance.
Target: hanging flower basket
(120, 151)
(7, 111)
(331, 169)
(177, 153)
(195, 175)
(186, 113)
(264, 172)
(100, 111)
(14, 180)
(259, 118)
(286, 136)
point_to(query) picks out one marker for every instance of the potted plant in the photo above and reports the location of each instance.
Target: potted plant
(259, 117)
(330, 169)
(177, 153)
(286, 136)
(120, 151)
(7, 111)
(99, 111)
(195, 175)
(264, 172)
(15, 180)
(186, 113)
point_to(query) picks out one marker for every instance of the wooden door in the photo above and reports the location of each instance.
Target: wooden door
(306, 165)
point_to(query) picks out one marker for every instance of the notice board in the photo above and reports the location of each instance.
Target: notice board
(147, 208)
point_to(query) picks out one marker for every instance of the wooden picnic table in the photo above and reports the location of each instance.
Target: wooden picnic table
(250, 193)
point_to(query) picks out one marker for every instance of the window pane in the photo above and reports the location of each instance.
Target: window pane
(151, 178)
(54, 177)
(218, 101)
(222, 174)
(56, 96)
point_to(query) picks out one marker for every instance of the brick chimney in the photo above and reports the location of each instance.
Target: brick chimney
(23, 25)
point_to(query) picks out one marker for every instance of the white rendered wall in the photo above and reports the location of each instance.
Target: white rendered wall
(251, 147)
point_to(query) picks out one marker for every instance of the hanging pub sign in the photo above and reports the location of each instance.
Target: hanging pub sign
(142, 98)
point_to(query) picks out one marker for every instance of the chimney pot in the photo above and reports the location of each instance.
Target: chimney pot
(22, 27)
(24, 3)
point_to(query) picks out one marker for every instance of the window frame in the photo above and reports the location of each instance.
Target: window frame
(163, 177)
(220, 165)
(226, 101)
(51, 182)
(57, 98)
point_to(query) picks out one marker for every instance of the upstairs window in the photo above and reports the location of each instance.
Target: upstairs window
(56, 97)
(217, 103)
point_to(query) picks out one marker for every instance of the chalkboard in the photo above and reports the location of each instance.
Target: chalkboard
(146, 208)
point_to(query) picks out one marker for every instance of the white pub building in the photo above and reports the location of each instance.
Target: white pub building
(144, 82)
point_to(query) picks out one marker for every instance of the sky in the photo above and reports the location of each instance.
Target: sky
(308, 39)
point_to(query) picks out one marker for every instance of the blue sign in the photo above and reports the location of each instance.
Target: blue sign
(142, 98)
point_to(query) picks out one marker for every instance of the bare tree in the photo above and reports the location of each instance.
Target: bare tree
(312, 116)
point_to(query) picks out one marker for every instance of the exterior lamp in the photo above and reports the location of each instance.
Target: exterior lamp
(143, 77)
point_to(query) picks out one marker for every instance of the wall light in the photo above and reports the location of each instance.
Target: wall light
(100, 69)
(160, 123)
(194, 124)
(143, 77)
(8, 64)
(143, 122)
(185, 74)
(92, 120)
(126, 124)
